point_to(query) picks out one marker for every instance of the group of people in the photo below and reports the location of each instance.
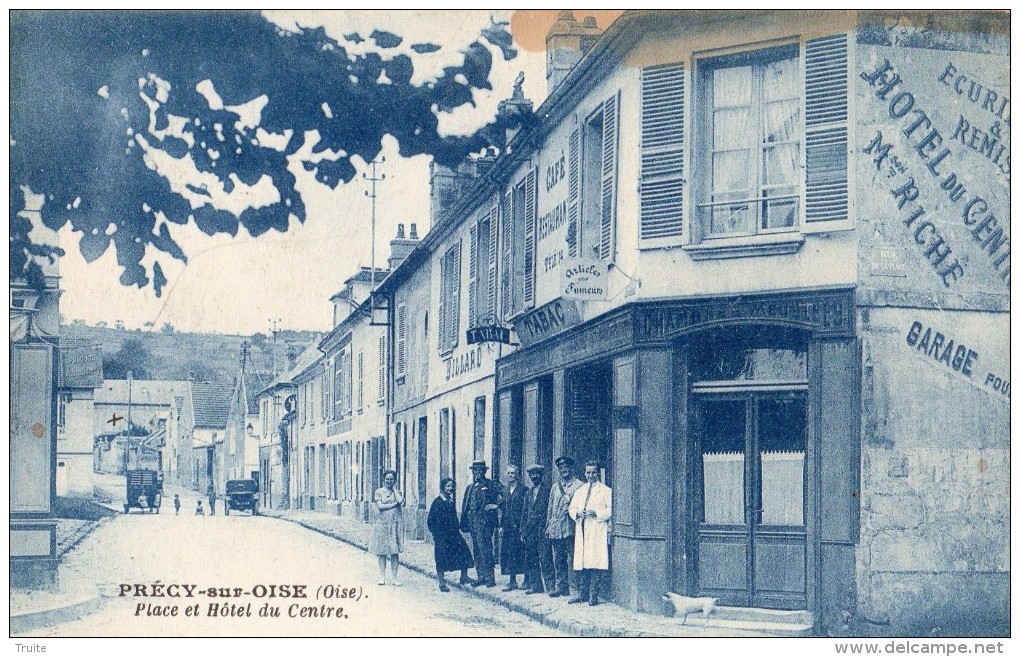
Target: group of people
(545, 530)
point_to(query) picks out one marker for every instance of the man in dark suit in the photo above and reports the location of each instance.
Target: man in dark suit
(479, 518)
(511, 508)
(537, 557)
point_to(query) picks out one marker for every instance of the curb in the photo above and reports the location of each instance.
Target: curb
(33, 620)
(80, 536)
(569, 626)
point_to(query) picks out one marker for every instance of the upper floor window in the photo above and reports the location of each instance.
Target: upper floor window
(753, 133)
(401, 330)
(449, 298)
(520, 207)
(482, 269)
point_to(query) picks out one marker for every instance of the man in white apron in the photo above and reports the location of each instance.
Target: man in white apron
(592, 509)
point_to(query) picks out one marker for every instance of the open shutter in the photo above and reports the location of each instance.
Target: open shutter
(443, 302)
(454, 310)
(361, 380)
(825, 113)
(610, 142)
(573, 187)
(530, 212)
(401, 340)
(473, 277)
(490, 295)
(382, 367)
(507, 266)
(662, 151)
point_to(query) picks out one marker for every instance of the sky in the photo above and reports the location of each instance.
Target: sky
(241, 284)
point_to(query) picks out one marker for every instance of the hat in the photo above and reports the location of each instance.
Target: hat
(536, 468)
(565, 460)
(479, 465)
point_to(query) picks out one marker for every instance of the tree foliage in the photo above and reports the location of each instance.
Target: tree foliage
(105, 104)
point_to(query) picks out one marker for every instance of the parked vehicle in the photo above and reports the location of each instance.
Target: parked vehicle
(144, 490)
(242, 495)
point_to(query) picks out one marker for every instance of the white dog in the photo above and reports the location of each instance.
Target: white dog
(683, 606)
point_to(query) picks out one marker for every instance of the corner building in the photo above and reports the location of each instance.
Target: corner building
(789, 343)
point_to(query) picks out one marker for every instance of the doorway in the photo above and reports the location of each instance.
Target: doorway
(750, 497)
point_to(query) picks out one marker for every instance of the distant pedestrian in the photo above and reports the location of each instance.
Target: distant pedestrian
(212, 501)
(388, 533)
(560, 527)
(479, 517)
(592, 510)
(537, 555)
(511, 506)
(177, 505)
(451, 551)
(199, 511)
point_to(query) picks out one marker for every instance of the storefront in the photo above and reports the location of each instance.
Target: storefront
(728, 428)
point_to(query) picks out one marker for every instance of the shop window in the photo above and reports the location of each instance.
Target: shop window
(753, 354)
(449, 298)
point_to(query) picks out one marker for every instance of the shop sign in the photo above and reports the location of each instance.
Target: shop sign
(480, 334)
(81, 368)
(547, 321)
(584, 279)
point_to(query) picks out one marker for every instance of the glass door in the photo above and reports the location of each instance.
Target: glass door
(750, 496)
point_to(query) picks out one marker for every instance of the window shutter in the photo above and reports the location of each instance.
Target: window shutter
(401, 340)
(825, 112)
(530, 212)
(361, 380)
(472, 276)
(454, 310)
(662, 151)
(443, 284)
(573, 186)
(493, 232)
(507, 266)
(382, 367)
(610, 138)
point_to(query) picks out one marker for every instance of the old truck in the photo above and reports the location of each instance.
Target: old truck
(242, 495)
(144, 490)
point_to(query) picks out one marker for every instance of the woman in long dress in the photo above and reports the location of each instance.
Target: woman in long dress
(451, 551)
(388, 531)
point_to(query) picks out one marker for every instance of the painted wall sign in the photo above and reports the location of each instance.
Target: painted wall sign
(545, 322)
(583, 279)
(935, 170)
(480, 334)
(81, 368)
(947, 350)
(464, 363)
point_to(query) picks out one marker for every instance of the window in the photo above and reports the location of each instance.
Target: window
(591, 202)
(401, 355)
(382, 369)
(324, 393)
(753, 143)
(481, 270)
(342, 388)
(518, 226)
(449, 300)
(303, 394)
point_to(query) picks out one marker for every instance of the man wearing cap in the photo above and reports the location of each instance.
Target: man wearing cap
(537, 558)
(479, 518)
(592, 510)
(560, 526)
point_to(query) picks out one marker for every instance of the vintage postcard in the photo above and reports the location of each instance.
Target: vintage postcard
(517, 323)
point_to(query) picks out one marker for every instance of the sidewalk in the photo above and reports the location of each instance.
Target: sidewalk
(605, 620)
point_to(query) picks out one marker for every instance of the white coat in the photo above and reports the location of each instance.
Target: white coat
(591, 538)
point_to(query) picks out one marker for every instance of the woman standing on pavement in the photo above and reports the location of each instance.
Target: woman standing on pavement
(388, 534)
(451, 551)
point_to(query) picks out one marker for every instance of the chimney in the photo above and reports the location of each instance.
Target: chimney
(566, 42)
(509, 113)
(446, 185)
(401, 246)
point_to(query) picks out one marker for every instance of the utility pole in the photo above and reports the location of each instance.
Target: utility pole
(374, 179)
(130, 437)
(275, 327)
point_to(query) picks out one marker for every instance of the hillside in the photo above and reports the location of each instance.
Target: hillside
(180, 356)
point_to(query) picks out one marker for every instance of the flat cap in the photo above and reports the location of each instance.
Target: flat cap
(565, 460)
(536, 468)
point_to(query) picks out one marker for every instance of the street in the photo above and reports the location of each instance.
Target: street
(266, 561)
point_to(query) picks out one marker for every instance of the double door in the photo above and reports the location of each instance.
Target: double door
(750, 496)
